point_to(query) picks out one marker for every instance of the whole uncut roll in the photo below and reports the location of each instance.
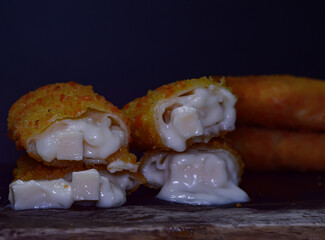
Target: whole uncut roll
(279, 101)
(270, 149)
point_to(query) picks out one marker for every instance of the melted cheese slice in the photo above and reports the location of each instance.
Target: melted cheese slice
(91, 138)
(104, 189)
(195, 177)
(198, 116)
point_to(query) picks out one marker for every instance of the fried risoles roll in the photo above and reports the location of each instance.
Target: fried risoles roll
(170, 112)
(204, 174)
(29, 169)
(280, 122)
(269, 149)
(37, 111)
(38, 186)
(279, 101)
(214, 144)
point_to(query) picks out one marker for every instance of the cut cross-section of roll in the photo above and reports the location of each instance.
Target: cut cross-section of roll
(181, 113)
(37, 186)
(202, 175)
(66, 123)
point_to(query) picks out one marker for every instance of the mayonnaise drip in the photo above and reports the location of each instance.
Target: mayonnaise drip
(195, 177)
(92, 137)
(198, 115)
(104, 189)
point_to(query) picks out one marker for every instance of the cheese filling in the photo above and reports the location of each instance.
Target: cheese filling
(195, 177)
(93, 137)
(197, 115)
(104, 189)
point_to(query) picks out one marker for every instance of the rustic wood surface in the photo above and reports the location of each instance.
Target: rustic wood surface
(285, 205)
(290, 220)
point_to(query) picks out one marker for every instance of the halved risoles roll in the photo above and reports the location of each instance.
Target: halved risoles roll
(37, 186)
(64, 123)
(80, 145)
(181, 113)
(204, 174)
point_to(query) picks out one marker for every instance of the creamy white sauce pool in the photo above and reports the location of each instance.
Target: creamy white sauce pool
(105, 189)
(195, 177)
(198, 115)
(90, 138)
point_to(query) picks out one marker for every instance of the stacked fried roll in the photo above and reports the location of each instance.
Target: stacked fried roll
(175, 126)
(77, 146)
(280, 122)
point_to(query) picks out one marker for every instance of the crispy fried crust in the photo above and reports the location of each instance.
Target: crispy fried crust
(213, 144)
(265, 149)
(142, 111)
(279, 101)
(30, 169)
(34, 112)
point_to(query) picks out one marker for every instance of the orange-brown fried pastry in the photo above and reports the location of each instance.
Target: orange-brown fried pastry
(279, 101)
(64, 122)
(267, 149)
(37, 185)
(175, 115)
(204, 174)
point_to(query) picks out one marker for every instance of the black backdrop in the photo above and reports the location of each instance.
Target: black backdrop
(124, 48)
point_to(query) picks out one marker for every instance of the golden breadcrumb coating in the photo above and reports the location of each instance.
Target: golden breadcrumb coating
(279, 101)
(142, 111)
(269, 149)
(30, 169)
(213, 144)
(34, 112)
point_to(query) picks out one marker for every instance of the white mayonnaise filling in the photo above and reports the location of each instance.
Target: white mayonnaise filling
(195, 177)
(105, 189)
(91, 138)
(199, 115)
(120, 165)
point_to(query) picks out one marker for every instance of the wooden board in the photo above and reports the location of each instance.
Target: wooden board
(302, 220)
(287, 205)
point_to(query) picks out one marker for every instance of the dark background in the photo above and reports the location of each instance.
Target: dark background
(124, 48)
